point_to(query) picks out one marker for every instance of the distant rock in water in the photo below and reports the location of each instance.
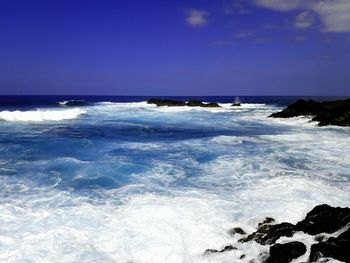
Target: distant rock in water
(197, 103)
(325, 113)
(175, 103)
(237, 102)
(321, 221)
(166, 102)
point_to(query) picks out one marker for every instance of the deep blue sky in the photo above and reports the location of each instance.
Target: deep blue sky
(185, 47)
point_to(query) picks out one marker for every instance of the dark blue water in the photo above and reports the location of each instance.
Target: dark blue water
(28, 102)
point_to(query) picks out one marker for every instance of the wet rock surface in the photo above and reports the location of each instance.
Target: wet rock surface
(284, 253)
(335, 247)
(324, 219)
(237, 230)
(330, 227)
(268, 234)
(325, 113)
(225, 249)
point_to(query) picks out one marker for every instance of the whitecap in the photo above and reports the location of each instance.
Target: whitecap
(41, 115)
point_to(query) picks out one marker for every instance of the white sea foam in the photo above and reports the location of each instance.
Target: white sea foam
(41, 115)
(180, 205)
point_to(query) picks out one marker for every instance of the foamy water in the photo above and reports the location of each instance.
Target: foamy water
(41, 115)
(131, 182)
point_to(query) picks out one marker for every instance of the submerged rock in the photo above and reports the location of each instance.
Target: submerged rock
(175, 103)
(284, 253)
(326, 113)
(225, 249)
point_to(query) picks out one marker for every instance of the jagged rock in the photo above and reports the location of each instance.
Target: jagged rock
(237, 230)
(166, 102)
(226, 248)
(236, 105)
(337, 248)
(284, 253)
(326, 113)
(268, 234)
(324, 219)
(267, 220)
(175, 103)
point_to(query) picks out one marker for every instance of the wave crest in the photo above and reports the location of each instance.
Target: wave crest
(73, 103)
(41, 115)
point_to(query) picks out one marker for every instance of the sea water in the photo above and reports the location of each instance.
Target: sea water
(131, 182)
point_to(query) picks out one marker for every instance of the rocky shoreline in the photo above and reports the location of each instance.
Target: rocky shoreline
(329, 226)
(325, 113)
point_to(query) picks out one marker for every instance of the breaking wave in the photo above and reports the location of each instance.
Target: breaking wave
(73, 103)
(41, 115)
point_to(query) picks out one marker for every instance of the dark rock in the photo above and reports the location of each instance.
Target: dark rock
(197, 103)
(268, 234)
(267, 220)
(284, 253)
(242, 256)
(337, 248)
(236, 105)
(175, 103)
(326, 113)
(324, 219)
(320, 238)
(225, 249)
(237, 230)
(166, 102)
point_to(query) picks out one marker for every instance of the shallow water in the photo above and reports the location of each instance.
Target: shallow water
(130, 182)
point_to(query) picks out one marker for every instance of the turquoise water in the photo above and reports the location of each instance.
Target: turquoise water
(131, 182)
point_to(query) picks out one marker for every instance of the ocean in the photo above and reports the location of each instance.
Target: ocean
(114, 179)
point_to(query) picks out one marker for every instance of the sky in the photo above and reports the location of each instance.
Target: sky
(184, 47)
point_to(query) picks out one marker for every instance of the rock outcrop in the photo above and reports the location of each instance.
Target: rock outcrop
(335, 247)
(284, 253)
(176, 103)
(321, 222)
(325, 113)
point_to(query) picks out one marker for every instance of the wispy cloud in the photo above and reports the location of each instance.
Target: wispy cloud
(304, 20)
(197, 17)
(334, 14)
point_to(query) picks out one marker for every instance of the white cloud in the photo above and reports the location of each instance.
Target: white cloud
(196, 17)
(304, 19)
(281, 5)
(334, 14)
